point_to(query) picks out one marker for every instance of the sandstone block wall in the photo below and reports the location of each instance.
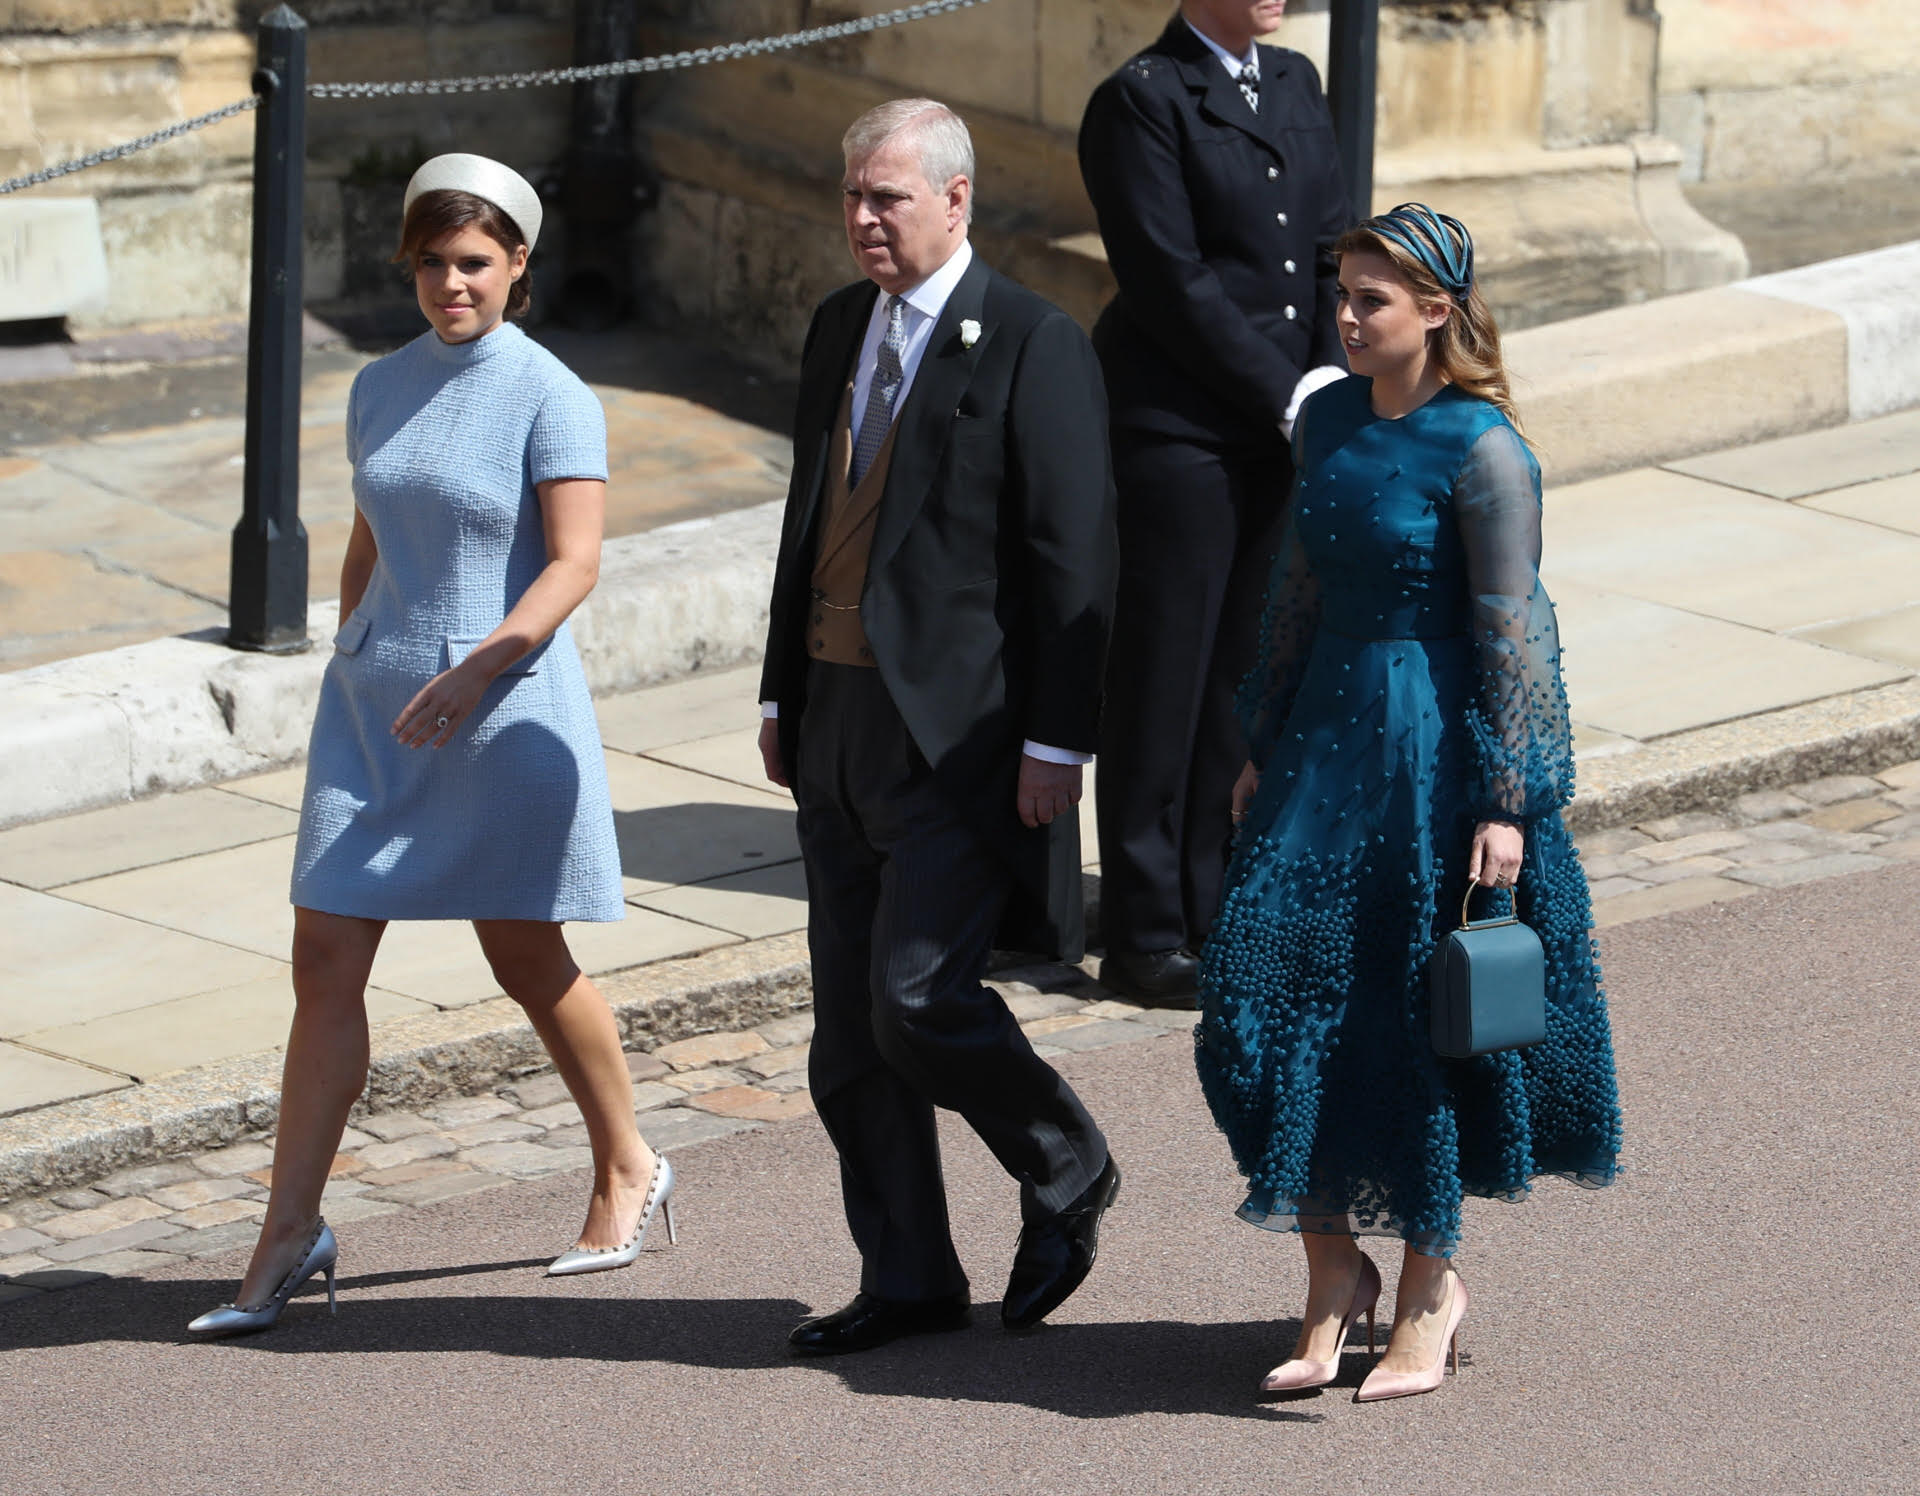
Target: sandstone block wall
(77, 75)
(1778, 91)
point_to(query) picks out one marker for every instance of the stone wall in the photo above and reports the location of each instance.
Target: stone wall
(76, 75)
(1774, 92)
(1530, 119)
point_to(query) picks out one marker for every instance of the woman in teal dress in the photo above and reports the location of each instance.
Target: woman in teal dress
(1408, 735)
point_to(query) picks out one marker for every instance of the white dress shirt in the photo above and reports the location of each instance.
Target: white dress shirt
(1227, 60)
(925, 302)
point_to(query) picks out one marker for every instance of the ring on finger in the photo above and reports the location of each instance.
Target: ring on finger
(442, 721)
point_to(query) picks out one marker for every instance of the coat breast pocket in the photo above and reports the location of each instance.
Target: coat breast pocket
(352, 634)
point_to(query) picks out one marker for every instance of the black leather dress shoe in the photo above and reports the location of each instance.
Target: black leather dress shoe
(868, 1322)
(1155, 979)
(1055, 1256)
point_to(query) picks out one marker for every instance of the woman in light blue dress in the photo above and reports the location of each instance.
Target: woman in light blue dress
(455, 770)
(1409, 736)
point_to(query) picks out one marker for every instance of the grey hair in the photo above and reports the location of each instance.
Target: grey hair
(940, 139)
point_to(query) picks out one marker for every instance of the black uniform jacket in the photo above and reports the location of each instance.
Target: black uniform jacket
(989, 588)
(1219, 225)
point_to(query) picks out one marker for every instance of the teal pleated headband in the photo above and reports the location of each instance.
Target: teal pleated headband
(1439, 242)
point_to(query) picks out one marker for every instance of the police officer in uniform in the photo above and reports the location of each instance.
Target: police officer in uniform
(1210, 161)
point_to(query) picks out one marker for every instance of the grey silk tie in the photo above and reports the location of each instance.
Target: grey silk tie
(881, 394)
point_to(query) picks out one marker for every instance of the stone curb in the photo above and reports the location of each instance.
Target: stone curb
(1708, 768)
(416, 1061)
(1706, 370)
(174, 713)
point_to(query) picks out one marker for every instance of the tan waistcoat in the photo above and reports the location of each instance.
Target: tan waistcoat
(834, 632)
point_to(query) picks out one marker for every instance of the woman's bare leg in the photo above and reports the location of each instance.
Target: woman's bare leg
(1333, 1273)
(325, 1071)
(573, 1020)
(1419, 1312)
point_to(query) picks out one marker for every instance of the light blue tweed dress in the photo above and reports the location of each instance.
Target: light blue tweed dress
(511, 819)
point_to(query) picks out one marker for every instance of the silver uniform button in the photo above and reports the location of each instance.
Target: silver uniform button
(1291, 267)
(1272, 172)
(1283, 219)
(1291, 314)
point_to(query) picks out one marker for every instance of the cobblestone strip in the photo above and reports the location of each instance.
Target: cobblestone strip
(716, 1084)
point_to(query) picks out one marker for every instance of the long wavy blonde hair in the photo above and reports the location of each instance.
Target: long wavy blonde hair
(1466, 347)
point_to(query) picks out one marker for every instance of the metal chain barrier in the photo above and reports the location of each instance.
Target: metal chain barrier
(145, 142)
(699, 57)
(486, 83)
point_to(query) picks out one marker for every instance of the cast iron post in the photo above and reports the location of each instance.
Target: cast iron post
(267, 601)
(1352, 62)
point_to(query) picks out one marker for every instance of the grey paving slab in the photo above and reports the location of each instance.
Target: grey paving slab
(198, 1030)
(63, 961)
(30, 1079)
(236, 896)
(676, 826)
(703, 705)
(1643, 670)
(1892, 637)
(733, 755)
(682, 1127)
(766, 901)
(281, 787)
(433, 961)
(1892, 502)
(1668, 538)
(45, 507)
(1793, 466)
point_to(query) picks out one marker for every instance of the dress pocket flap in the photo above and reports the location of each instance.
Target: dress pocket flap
(353, 633)
(459, 646)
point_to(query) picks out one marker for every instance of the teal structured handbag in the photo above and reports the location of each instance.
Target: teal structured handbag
(1489, 985)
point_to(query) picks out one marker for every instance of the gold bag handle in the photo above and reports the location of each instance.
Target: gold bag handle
(1513, 908)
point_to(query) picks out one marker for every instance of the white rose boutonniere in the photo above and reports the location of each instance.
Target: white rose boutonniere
(969, 332)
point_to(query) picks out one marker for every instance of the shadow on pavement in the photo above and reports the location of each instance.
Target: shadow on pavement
(688, 843)
(1108, 1370)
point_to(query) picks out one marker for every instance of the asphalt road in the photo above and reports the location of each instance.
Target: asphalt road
(1738, 1315)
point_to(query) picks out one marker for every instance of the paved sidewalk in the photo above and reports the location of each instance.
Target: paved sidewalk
(121, 531)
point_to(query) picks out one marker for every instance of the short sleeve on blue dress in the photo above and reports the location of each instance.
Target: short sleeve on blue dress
(569, 436)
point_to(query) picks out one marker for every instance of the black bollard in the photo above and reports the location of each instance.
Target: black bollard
(267, 600)
(1352, 66)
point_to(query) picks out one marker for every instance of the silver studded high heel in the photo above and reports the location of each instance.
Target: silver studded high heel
(321, 1256)
(605, 1259)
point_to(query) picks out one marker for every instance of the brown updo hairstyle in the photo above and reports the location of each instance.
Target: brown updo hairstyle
(436, 214)
(1467, 345)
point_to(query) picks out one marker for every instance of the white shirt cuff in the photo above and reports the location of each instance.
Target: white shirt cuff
(1313, 379)
(1048, 755)
(770, 709)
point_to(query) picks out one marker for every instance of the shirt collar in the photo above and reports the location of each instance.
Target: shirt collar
(930, 297)
(1232, 64)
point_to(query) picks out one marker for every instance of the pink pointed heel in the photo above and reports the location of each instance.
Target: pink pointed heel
(1381, 1385)
(1299, 1374)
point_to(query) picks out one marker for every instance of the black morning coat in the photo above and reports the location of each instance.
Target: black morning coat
(1219, 225)
(989, 589)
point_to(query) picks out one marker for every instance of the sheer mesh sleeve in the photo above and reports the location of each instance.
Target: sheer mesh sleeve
(1288, 624)
(1523, 740)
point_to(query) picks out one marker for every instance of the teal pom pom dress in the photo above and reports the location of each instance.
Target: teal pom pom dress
(1408, 688)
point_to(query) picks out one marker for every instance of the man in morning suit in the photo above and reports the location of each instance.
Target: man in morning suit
(1210, 162)
(932, 689)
